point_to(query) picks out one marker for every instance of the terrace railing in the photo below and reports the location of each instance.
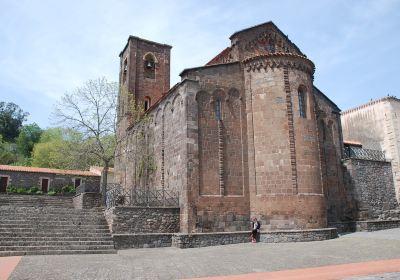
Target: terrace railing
(360, 153)
(118, 196)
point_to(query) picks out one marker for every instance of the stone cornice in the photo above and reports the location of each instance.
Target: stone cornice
(277, 60)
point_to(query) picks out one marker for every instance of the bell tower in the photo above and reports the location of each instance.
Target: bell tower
(144, 73)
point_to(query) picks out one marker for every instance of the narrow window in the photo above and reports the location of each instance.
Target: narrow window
(271, 46)
(302, 103)
(149, 67)
(218, 110)
(147, 103)
(124, 70)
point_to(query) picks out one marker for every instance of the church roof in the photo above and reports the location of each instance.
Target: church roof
(268, 23)
(143, 40)
(317, 91)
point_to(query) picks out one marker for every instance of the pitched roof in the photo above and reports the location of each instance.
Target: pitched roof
(46, 170)
(266, 24)
(219, 57)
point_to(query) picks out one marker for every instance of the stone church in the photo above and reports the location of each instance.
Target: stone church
(246, 135)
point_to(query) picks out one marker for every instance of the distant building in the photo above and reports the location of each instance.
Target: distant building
(46, 178)
(376, 126)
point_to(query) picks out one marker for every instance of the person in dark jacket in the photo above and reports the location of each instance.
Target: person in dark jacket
(255, 228)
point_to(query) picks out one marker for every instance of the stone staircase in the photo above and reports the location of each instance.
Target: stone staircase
(45, 225)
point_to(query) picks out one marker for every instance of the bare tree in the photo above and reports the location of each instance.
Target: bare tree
(91, 110)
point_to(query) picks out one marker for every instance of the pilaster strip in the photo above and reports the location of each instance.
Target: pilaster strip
(292, 142)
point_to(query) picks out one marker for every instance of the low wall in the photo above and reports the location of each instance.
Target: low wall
(371, 225)
(87, 200)
(144, 240)
(377, 225)
(182, 240)
(124, 220)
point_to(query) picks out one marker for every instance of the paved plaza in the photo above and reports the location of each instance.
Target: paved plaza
(248, 260)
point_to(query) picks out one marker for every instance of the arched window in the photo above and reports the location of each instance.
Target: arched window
(302, 102)
(149, 66)
(147, 103)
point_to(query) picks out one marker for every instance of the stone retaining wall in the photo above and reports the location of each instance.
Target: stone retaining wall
(87, 200)
(377, 225)
(124, 220)
(144, 240)
(370, 225)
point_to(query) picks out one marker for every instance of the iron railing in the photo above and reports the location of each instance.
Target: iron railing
(360, 153)
(118, 196)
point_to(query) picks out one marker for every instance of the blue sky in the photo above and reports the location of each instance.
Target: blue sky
(51, 47)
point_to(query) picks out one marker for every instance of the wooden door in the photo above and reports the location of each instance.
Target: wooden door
(3, 184)
(45, 185)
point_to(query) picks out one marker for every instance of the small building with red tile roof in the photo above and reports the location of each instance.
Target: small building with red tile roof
(46, 179)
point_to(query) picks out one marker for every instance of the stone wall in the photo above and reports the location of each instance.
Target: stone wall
(87, 200)
(56, 181)
(371, 186)
(338, 200)
(181, 240)
(376, 126)
(145, 240)
(124, 220)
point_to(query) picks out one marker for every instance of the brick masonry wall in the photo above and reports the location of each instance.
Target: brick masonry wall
(338, 199)
(371, 186)
(56, 181)
(87, 200)
(124, 220)
(284, 162)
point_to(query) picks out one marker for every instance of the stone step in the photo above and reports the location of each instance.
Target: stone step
(53, 243)
(53, 223)
(46, 227)
(55, 252)
(54, 233)
(69, 230)
(63, 247)
(56, 238)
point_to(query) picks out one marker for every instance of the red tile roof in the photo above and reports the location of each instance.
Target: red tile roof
(221, 57)
(46, 170)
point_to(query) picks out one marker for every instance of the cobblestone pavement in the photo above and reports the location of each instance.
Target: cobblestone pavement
(173, 263)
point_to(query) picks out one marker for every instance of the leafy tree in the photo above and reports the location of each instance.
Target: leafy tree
(61, 148)
(27, 138)
(11, 119)
(91, 110)
(8, 153)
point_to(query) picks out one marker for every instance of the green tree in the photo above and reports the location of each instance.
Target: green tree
(91, 110)
(8, 153)
(27, 138)
(61, 148)
(11, 119)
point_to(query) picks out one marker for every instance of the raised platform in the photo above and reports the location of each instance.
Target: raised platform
(193, 240)
(369, 225)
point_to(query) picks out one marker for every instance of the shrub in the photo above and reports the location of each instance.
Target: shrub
(68, 189)
(52, 192)
(11, 189)
(32, 190)
(21, 190)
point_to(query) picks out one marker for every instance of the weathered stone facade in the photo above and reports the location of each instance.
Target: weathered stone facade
(371, 187)
(237, 138)
(376, 126)
(124, 220)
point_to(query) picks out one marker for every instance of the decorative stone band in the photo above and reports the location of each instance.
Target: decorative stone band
(193, 240)
(277, 60)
